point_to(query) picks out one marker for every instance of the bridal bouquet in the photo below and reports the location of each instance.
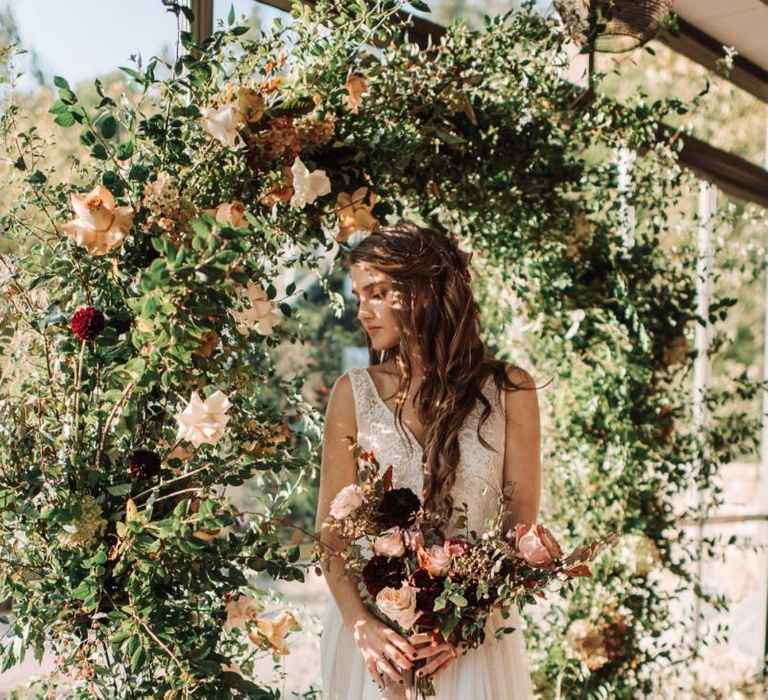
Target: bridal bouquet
(418, 580)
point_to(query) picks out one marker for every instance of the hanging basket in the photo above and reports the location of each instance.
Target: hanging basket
(629, 24)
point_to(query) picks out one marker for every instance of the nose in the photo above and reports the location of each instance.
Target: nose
(364, 311)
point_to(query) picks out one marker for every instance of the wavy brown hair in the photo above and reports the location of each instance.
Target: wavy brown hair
(439, 319)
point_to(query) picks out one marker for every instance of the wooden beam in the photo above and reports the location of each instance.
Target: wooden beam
(202, 27)
(731, 173)
(706, 51)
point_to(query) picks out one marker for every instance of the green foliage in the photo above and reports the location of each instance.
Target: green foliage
(477, 134)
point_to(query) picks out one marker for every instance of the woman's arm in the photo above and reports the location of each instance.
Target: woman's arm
(338, 469)
(378, 643)
(522, 448)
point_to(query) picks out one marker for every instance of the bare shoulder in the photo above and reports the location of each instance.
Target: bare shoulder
(342, 397)
(521, 405)
(519, 376)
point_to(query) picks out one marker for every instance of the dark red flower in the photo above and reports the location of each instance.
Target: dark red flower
(383, 572)
(428, 589)
(398, 507)
(87, 323)
(144, 464)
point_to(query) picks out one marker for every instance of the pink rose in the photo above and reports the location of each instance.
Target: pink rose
(456, 546)
(537, 545)
(348, 500)
(413, 539)
(399, 604)
(435, 560)
(391, 544)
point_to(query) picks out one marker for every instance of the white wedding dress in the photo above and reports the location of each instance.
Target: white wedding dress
(498, 669)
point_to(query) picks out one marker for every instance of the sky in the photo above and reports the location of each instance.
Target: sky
(80, 39)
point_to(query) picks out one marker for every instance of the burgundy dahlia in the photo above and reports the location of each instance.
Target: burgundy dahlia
(398, 507)
(87, 323)
(144, 464)
(383, 572)
(428, 589)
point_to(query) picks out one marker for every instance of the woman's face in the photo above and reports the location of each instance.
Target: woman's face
(376, 303)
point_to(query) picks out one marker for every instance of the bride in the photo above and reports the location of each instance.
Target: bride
(430, 390)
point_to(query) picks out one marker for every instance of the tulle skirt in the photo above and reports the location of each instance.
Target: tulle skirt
(497, 670)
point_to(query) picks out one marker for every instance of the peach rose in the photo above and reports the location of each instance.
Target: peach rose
(273, 632)
(240, 611)
(435, 560)
(259, 312)
(229, 214)
(100, 226)
(356, 88)
(354, 214)
(390, 545)
(537, 545)
(399, 604)
(348, 500)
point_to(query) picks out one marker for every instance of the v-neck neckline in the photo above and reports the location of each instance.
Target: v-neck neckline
(389, 410)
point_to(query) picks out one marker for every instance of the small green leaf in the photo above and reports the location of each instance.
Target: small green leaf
(99, 152)
(60, 82)
(231, 15)
(65, 119)
(87, 137)
(108, 126)
(124, 150)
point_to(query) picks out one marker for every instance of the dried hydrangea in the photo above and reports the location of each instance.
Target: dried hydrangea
(87, 529)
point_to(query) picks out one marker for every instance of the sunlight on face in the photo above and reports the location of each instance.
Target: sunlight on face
(376, 304)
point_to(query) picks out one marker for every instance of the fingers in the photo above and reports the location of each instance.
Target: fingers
(439, 662)
(373, 669)
(421, 638)
(397, 656)
(389, 669)
(424, 652)
(401, 643)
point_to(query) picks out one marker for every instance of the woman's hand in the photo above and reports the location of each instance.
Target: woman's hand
(382, 648)
(440, 653)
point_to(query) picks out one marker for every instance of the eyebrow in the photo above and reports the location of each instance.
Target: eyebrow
(369, 285)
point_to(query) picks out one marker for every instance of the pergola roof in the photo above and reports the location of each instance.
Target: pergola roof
(705, 27)
(708, 25)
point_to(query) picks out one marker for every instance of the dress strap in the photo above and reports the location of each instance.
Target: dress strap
(360, 394)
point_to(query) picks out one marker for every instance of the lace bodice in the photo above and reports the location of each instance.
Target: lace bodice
(480, 476)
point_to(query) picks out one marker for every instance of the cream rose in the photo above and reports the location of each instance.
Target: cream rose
(100, 226)
(399, 604)
(346, 501)
(537, 545)
(391, 544)
(203, 421)
(222, 122)
(307, 186)
(435, 559)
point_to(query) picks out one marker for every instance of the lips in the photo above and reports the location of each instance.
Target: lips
(373, 329)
